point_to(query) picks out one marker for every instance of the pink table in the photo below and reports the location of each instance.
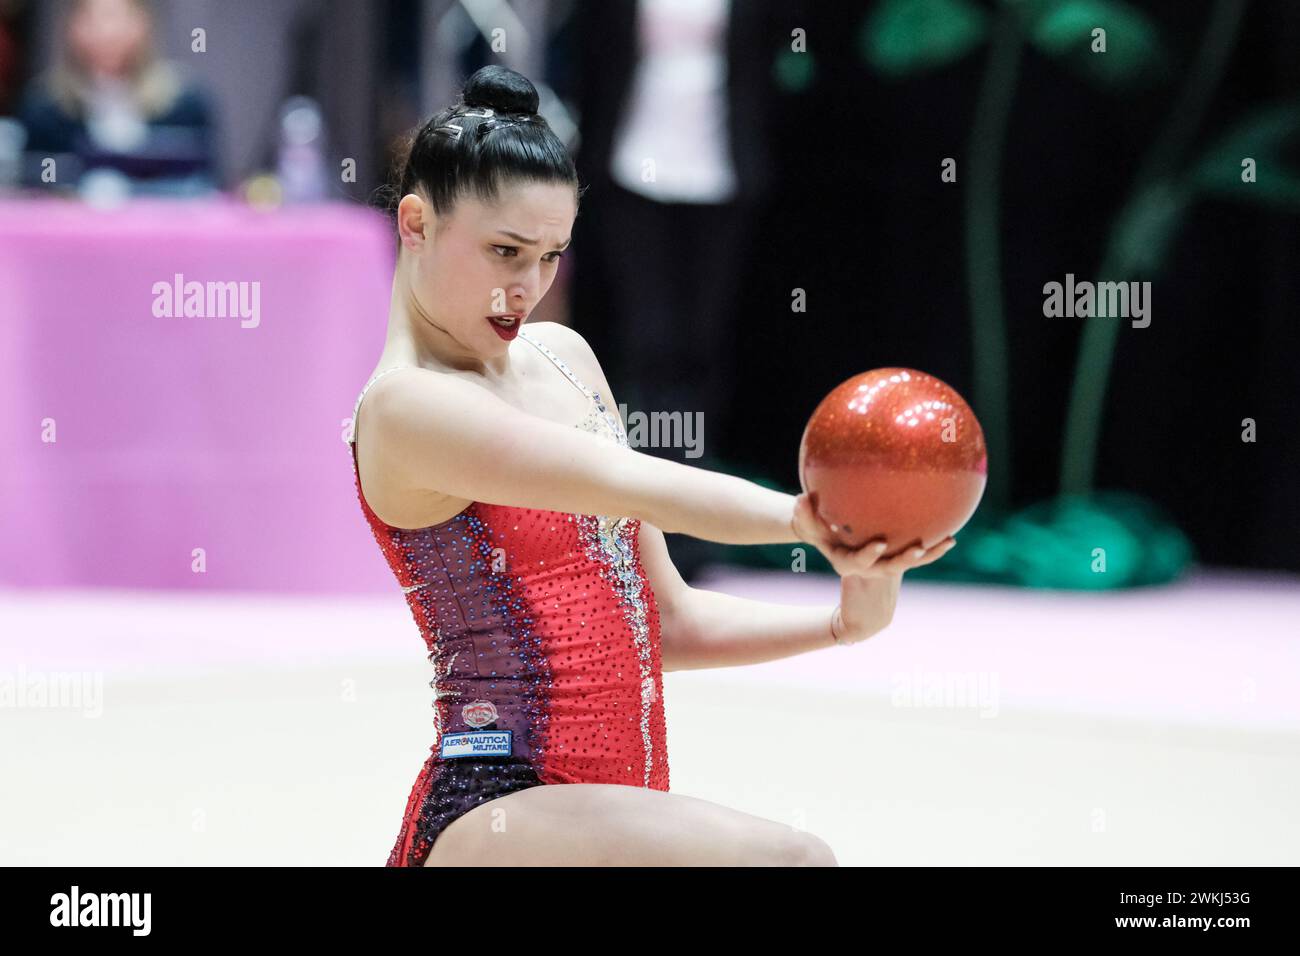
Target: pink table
(176, 432)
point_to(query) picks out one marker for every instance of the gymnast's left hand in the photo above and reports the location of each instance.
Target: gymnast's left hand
(868, 584)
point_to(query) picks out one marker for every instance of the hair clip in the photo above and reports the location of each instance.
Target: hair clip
(454, 129)
(484, 128)
(490, 123)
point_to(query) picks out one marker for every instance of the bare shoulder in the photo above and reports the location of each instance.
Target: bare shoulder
(395, 393)
(413, 400)
(405, 414)
(559, 338)
(573, 349)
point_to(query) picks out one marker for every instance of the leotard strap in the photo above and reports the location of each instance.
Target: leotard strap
(356, 409)
(560, 364)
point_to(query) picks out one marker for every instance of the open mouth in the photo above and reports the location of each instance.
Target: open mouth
(506, 326)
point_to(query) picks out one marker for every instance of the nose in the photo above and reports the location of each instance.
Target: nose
(526, 290)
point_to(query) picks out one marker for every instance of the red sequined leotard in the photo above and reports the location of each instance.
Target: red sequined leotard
(543, 633)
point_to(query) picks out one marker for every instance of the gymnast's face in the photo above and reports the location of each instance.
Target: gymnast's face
(486, 259)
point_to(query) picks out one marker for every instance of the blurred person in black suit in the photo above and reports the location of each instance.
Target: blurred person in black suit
(676, 100)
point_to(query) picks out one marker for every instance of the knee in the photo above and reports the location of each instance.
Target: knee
(806, 849)
(814, 851)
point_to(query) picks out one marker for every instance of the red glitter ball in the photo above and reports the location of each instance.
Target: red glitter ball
(893, 453)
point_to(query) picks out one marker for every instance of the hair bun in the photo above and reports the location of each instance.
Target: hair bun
(502, 89)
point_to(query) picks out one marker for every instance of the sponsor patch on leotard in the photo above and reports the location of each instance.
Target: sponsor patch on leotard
(477, 743)
(479, 713)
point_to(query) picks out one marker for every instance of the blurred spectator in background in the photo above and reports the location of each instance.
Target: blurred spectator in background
(675, 100)
(674, 97)
(12, 134)
(10, 53)
(114, 111)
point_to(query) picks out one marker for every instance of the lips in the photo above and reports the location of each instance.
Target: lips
(506, 326)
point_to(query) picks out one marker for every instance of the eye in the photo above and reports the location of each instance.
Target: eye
(513, 252)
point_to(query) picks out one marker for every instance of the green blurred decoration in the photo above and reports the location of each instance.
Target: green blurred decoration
(1086, 543)
(904, 36)
(1054, 543)
(793, 71)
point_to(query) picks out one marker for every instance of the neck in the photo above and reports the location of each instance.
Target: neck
(417, 338)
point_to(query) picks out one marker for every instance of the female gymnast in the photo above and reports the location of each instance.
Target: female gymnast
(531, 551)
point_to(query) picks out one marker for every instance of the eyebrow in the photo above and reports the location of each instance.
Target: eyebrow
(529, 242)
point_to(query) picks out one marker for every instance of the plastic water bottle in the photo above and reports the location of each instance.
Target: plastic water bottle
(13, 137)
(302, 150)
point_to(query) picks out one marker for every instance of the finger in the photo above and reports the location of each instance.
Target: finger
(946, 543)
(872, 549)
(816, 530)
(935, 553)
(811, 531)
(860, 559)
(869, 554)
(916, 556)
(900, 562)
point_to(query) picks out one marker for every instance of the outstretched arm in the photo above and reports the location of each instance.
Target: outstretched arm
(442, 434)
(713, 629)
(700, 628)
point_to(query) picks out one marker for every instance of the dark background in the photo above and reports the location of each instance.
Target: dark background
(862, 221)
(859, 218)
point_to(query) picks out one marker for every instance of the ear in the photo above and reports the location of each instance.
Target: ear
(414, 221)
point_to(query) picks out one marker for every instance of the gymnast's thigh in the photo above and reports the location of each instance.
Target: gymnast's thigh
(598, 824)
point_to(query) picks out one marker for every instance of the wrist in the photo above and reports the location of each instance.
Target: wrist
(835, 638)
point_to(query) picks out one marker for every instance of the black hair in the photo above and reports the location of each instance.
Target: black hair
(513, 144)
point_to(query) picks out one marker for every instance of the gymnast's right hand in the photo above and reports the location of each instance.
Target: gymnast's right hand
(863, 561)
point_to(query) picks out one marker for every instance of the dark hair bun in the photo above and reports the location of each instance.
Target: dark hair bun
(501, 89)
